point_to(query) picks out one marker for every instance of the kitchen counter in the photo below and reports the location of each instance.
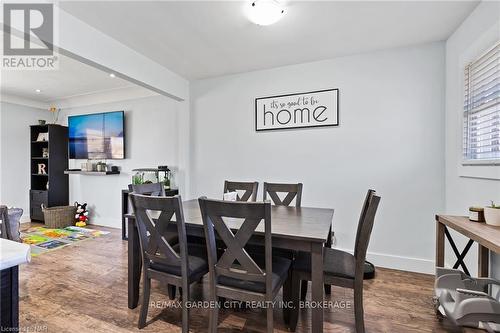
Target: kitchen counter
(12, 254)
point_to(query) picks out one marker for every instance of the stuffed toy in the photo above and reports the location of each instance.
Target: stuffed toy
(82, 214)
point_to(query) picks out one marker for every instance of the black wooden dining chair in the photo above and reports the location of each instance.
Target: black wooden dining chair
(249, 190)
(293, 191)
(341, 268)
(238, 274)
(162, 260)
(290, 192)
(157, 190)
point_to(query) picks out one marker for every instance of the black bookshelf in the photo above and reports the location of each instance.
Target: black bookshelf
(49, 184)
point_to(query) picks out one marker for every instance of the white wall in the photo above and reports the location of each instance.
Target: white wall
(152, 131)
(476, 34)
(390, 138)
(15, 153)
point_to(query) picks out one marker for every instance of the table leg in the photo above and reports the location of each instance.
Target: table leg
(134, 264)
(328, 288)
(483, 269)
(124, 211)
(439, 244)
(317, 286)
(460, 256)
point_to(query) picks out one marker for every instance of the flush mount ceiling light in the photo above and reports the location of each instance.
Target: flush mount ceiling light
(38, 91)
(112, 75)
(265, 12)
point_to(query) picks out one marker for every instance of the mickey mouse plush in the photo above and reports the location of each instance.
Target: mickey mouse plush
(82, 214)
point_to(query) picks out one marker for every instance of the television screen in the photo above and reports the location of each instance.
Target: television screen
(97, 136)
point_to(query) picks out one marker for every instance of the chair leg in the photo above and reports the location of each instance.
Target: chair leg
(303, 290)
(213, 319)
(270, 319)
(171, 291)
(328, 289)
(287, 289)
(358, 308)
(222, 301)
(185, 311)
(145, 301)
(294, 297)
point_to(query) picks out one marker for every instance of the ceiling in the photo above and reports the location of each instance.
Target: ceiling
(71, 79)
(201, 39)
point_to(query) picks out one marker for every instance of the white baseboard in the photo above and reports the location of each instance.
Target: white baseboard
(25, 219)
(409, 264)
(106, 222)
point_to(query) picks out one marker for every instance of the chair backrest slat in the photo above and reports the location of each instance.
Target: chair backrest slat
(249, 188)
(214, 213)
(156, 247)
(365, 227)
(293, 191)
(369, 194)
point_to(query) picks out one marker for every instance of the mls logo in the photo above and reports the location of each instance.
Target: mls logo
(35, 21)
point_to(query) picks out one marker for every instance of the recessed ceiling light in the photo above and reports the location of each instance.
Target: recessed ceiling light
(38, 91)
(112, 75)
(265, 12)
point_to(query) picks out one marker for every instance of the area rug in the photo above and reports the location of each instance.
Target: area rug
(44, 239)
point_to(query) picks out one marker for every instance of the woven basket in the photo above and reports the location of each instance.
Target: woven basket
(59, 217)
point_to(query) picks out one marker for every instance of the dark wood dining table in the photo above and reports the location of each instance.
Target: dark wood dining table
(301, 229)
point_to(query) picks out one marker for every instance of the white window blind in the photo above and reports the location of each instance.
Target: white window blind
(482, 107)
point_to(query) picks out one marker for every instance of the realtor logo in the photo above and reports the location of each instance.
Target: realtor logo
(28, 40)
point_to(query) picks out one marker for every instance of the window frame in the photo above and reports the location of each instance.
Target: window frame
(465, 122)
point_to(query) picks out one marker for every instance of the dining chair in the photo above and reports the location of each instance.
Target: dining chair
(162, 260)
(237, 274)
(249, 188)
(293, 191)
(340, 268)
(157, 190)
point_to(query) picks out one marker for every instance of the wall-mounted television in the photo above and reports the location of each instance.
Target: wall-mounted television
(97, 136)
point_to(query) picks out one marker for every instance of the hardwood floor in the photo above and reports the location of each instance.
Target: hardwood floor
(83, 288)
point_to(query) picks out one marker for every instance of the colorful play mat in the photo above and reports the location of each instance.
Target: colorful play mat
(44, 239)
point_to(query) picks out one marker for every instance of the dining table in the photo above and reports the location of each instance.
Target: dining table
(293, 228)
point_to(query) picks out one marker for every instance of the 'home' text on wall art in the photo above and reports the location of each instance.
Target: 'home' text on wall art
(310, 109)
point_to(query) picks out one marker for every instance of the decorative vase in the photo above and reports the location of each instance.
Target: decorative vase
(55, 114)
(492, 216)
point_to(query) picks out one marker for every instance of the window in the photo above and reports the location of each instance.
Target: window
(482, 108)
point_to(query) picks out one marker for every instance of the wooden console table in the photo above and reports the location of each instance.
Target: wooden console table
(486, 236)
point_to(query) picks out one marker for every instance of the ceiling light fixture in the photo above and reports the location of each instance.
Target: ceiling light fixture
(112, 75)
(265, 12)
(38, 91)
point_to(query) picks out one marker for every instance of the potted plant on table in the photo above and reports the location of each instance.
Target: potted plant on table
(492, 214)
